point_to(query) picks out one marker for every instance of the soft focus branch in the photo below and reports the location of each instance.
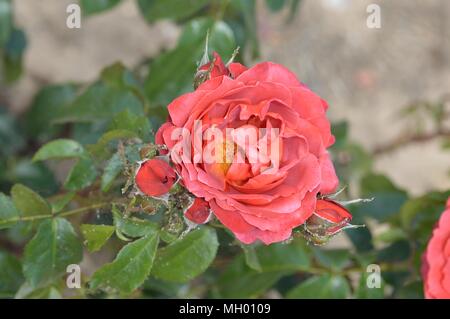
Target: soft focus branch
(410, 139)
(62, 214)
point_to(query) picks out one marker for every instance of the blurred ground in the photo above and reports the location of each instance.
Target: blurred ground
(365, 74)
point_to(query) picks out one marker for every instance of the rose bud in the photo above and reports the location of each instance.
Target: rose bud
(199, 212)
(217, 68)
(210, 70)
(155, 177)
(328, 219)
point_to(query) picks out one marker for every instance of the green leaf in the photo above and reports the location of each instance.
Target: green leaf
(397, 251)
(49, 102)
(177, 10)
(239, 281)
(187, 257)
(360, 237)
(117, 76)
(130, 268)
(388, 198)
(221, 37)
(364, 292)
(92, 7)
(248, 11)
(108, 137)
(112, 170)
(12, 56)
(412, 290)
(115, 134)
(275, 5)
(5, 21)
(419, 215)
(52, 249)
(129, 121)
(59, 202)
(396, 279)
(35, 175)
(28, 202)
(89, 133)
(96, 235)
(27, 291)
(335, 259)
(318, 287)
(82, 175)
(251, 258)
(7, 212)
(171, 74)
(10, 275)
(130, 226)
(164, 289)
(340, 132)
(283, 257)
(391, 235)
(101, 101)
(11, 138)
(59, 149)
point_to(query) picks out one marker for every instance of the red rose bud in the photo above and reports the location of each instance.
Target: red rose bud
(155, 177)
(210, 70)
(328, 219)
(199, 212)
(217, 68)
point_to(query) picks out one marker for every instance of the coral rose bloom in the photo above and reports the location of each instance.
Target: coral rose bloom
(256, 203)
(436, 260)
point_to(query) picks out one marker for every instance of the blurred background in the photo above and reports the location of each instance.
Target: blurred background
(367, 75)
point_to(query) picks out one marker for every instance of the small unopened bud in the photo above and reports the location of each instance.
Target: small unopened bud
(328, 219)
(155, 177)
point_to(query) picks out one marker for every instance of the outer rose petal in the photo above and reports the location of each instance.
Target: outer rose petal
(236, 69)
(269, 72)
(436, 260)
(244, 231)
(159, 139)
(329, 178)
(181, 107)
